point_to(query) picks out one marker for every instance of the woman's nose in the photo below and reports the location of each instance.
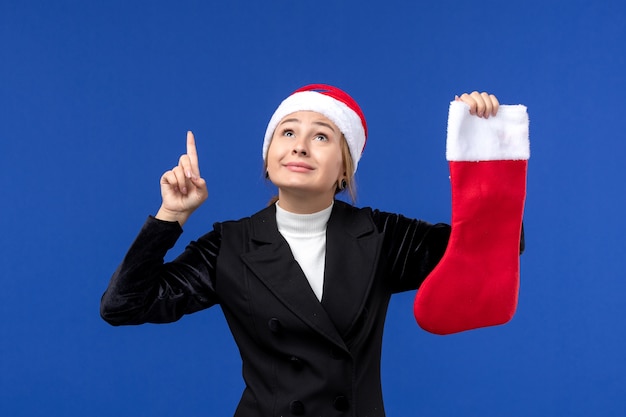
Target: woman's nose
(299, 149)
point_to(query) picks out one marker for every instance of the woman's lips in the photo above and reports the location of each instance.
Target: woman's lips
(298, 167)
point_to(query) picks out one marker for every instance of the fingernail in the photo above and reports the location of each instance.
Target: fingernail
(184, 190)
(188, 174)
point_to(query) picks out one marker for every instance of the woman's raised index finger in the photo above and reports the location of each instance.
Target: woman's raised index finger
(192, 153)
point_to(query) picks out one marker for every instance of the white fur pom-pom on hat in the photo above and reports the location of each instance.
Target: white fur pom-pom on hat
(333, 103)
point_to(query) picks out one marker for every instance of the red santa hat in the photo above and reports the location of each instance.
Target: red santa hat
(333, 103)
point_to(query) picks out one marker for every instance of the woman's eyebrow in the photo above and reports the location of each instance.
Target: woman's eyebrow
(317, 122)
(290, 120)
(325, 124)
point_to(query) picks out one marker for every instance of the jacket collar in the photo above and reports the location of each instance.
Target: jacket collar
(353, 221)
(352, 249)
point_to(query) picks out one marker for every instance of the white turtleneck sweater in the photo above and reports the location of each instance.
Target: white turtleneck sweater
(306, 235)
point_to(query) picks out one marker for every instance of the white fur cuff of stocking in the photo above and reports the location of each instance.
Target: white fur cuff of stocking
(500, 137)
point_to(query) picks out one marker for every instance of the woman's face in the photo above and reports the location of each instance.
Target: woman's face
(304, 155)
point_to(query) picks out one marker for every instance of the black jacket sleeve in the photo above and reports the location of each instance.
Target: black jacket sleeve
(411, 249)
(145, 289)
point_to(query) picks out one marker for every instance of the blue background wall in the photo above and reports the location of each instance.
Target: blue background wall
(95, 100)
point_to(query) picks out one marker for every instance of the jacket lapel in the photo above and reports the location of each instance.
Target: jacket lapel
(272, 261)
(352, 251)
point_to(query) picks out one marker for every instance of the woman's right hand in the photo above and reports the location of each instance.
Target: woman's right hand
(182, 188)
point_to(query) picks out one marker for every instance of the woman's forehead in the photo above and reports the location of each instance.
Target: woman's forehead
(311, 117)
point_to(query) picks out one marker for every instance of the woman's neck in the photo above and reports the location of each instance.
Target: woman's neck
(301, 203)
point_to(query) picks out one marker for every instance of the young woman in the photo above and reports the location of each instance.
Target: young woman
(304, 283)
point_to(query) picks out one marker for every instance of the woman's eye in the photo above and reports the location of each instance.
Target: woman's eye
(321, 138)
(288, 133)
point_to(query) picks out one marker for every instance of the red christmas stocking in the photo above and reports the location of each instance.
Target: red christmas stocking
(476, 282)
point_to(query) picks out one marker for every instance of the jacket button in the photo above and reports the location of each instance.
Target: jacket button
(341, 403)
(296, 408)
(274, 325)
(296, 363)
